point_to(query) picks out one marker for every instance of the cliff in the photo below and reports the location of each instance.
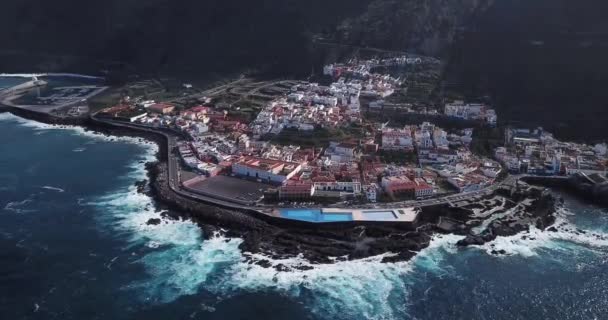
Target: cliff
(541, 61)
(189, 37)
(528, 56)
(428, 27)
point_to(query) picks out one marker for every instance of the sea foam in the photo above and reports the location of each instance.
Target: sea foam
(565, 237)
(180, 263)
(151, 147)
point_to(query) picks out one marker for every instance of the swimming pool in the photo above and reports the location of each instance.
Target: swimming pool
(378, 215)
(336, 217)
(315, 215)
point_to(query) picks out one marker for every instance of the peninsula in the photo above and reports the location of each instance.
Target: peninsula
(365, 160)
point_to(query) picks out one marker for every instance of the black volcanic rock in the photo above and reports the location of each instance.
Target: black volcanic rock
(153, 221)
(541, 214)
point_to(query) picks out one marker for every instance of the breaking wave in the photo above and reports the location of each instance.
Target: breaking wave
(563, 236)
(20, 206)
(180, 263)
(53, 188)
(78, 130)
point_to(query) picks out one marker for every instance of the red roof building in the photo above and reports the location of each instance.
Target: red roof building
(296, 190)
(161, 108)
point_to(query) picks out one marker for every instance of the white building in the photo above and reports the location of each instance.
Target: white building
(601, 149)
(371, 192)
(471, 111)
(397, 139)
(440, 137)
(265, 169)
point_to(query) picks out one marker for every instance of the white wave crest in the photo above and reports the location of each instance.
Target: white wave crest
(181, 263)
(19, 206)
(53, 188)
(151, 147)
(530, 243)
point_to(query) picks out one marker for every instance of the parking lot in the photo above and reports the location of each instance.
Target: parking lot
(230, 187)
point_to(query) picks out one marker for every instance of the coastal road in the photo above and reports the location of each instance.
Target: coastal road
(209, 92)
(255, 91)
(447, 199)
(173, 167)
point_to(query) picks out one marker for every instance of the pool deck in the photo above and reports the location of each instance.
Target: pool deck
(406, 215)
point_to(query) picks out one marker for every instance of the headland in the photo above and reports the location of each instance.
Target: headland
(230, 163)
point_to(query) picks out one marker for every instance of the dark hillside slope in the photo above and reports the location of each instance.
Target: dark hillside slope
(190, 36)
(174, 36)
(543, 61)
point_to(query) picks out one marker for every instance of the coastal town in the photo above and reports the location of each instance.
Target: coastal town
(380, 163)
(332, 166)
(303, 149)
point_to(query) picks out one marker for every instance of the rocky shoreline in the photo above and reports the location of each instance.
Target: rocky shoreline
(320, 243)
(527, 206)
(596, 193)
(531, 206)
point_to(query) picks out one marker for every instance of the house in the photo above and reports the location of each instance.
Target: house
(397, 139)
(273, 171)
(371, 192)
(422, 189)
(161, 108)
(296, 190)
(471, 111)
(468, 182)
(399, 185)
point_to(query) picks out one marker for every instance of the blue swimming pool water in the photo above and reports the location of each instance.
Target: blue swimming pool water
(306, 215)
(336, 217)
(378, 215)
(314, 215)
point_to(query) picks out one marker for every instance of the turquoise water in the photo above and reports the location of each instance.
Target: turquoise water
(315, 215)
(336, 217)
(74, 244)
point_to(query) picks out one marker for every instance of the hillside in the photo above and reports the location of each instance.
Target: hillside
(190, 36)
(541, 61)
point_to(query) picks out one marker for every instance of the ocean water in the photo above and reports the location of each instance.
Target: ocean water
(7, 82)
(74, 244)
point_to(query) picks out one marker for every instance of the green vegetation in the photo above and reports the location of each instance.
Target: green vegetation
(319, 137)
(106, 99)
(399, 157)
(485, 140)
